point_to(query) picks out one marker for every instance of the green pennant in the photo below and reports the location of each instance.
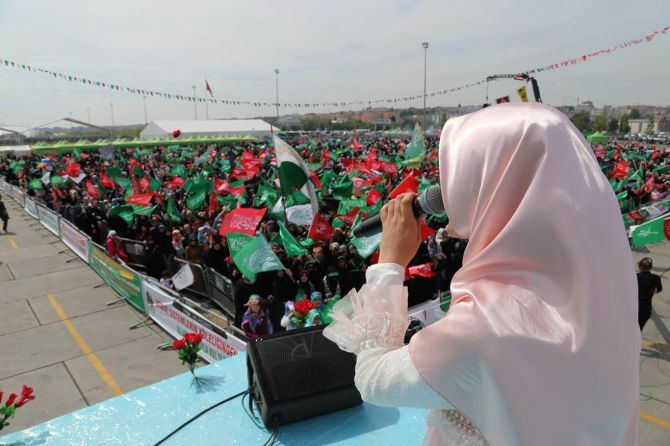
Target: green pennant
(290, 244)
(256, 256)
(367, 245)
(416, 148)
(172, 212)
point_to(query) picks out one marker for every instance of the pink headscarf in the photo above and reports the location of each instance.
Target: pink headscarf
(541, 344)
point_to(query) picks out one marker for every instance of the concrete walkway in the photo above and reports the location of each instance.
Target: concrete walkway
(59, 335)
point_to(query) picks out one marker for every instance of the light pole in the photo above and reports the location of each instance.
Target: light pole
(195, 106)
(425, 61)
(145, 109)
(111, 105)
(277, 91)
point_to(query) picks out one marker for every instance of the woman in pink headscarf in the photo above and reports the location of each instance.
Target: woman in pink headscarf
(540, 345)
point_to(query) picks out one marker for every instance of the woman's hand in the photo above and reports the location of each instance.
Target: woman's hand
(401, 231)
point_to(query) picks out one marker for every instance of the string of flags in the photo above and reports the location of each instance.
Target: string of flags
(7, 63)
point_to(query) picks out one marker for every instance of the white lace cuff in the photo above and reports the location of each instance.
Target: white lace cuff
(375, 316)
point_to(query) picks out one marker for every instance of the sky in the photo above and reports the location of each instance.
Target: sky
(325, 52)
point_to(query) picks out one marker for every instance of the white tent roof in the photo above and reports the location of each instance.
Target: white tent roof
(256, 127)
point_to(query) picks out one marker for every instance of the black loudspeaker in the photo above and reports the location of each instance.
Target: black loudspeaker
(299, 374)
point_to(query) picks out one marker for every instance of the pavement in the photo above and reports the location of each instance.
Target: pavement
(60, 335)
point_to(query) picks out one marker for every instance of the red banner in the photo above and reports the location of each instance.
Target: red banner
(242, 220)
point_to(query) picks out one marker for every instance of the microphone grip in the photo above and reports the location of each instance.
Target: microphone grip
(372, 225)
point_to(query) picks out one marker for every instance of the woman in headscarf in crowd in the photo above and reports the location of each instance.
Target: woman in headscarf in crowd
(524, 355)
(177, 242)
(256, 321)
(114, 247)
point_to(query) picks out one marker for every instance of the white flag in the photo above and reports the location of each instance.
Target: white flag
(46, 178)
(300, 215)
(184, 277)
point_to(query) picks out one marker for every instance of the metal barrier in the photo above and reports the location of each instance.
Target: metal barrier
(200, 284)
(136, 252)
(222, 291)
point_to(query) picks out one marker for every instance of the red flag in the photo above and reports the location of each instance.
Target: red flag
(349, 217)
(92, 190)
(320, 229)
(242, 220)
(409, 184)
(423, 270)
(502, 100)
(620, 169)
(140, 199)
(144, 184)
(74, 170)
(389, 168)
(176, 182)
(425, 230)
(315, 179)
(106, 181)
(213, 204)
(220, 186)
(649, 185)
(373, 197)
(208, 88)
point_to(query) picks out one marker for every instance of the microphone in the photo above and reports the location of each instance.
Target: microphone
(429, 202)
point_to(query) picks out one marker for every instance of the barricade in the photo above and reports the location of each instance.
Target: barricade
(74, 239)
(200, 284)
(19, 195)
(31, 207)
(49, 220)
(222, 291)
(136, 252)
(125, 281)
(167, 310)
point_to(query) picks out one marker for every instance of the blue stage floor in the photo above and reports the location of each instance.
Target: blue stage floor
(147, 415)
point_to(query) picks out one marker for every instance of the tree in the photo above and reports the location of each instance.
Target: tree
(600, 123)
(624, 127)
(613, 125)
(649, 130)
(634, 114)
(581, 120)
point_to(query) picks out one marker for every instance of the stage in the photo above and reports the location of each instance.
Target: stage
(146, 415)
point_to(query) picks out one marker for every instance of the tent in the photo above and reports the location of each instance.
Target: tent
(208, 128)
(597, 138)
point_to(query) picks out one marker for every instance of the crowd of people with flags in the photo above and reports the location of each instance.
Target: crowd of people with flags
(276, 216)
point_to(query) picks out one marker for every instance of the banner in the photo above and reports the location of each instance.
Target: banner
(654, 231)
(31, 207)
(49, 220)
(183, 278)
(243, 221)
(123, 280)
(177, 319)
(76, 240)
(18, 195)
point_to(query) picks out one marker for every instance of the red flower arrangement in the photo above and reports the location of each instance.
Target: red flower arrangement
(300, 310)
(188, 348)
(8, 409)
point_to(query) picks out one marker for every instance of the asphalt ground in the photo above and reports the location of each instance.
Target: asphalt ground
(61, 334)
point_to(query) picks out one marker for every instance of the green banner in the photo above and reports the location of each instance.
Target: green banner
(126, 282)
(653, 231)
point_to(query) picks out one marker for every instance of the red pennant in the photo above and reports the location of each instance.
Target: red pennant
(315, 179)
(320, 229)
(409, 184)
(92, 190)
(140, 199)
(213, 204)
(242, 220)
(373, 197)
(423, 270)
(349, 217)
(176, 182)
(106, 181)
(620, 169)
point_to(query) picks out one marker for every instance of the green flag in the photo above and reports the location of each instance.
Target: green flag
(35, 184)
(266, 196)
(114, 172)
(416, 147)
(650, 232)
(342, 190)
(57, 180)
(142, 210)
(172, 212)
(236, 242)
(197, 199)
(256, 256)
(291, 245)
(154, 184)
(179, 171)
(123, 182)
(293, 173)
(124, 211)
(367, 245)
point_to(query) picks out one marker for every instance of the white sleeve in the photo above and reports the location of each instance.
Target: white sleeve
(388, 378)
(373, 325)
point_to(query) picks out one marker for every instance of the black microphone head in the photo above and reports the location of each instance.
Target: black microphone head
(430, 200)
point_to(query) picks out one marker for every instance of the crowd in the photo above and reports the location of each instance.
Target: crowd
(148, 195)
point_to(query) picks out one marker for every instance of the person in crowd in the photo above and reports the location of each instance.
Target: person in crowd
(648, 283)
(4, 215)
(537, 304)
(115, 248)
(256, 320)
(177, 242)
